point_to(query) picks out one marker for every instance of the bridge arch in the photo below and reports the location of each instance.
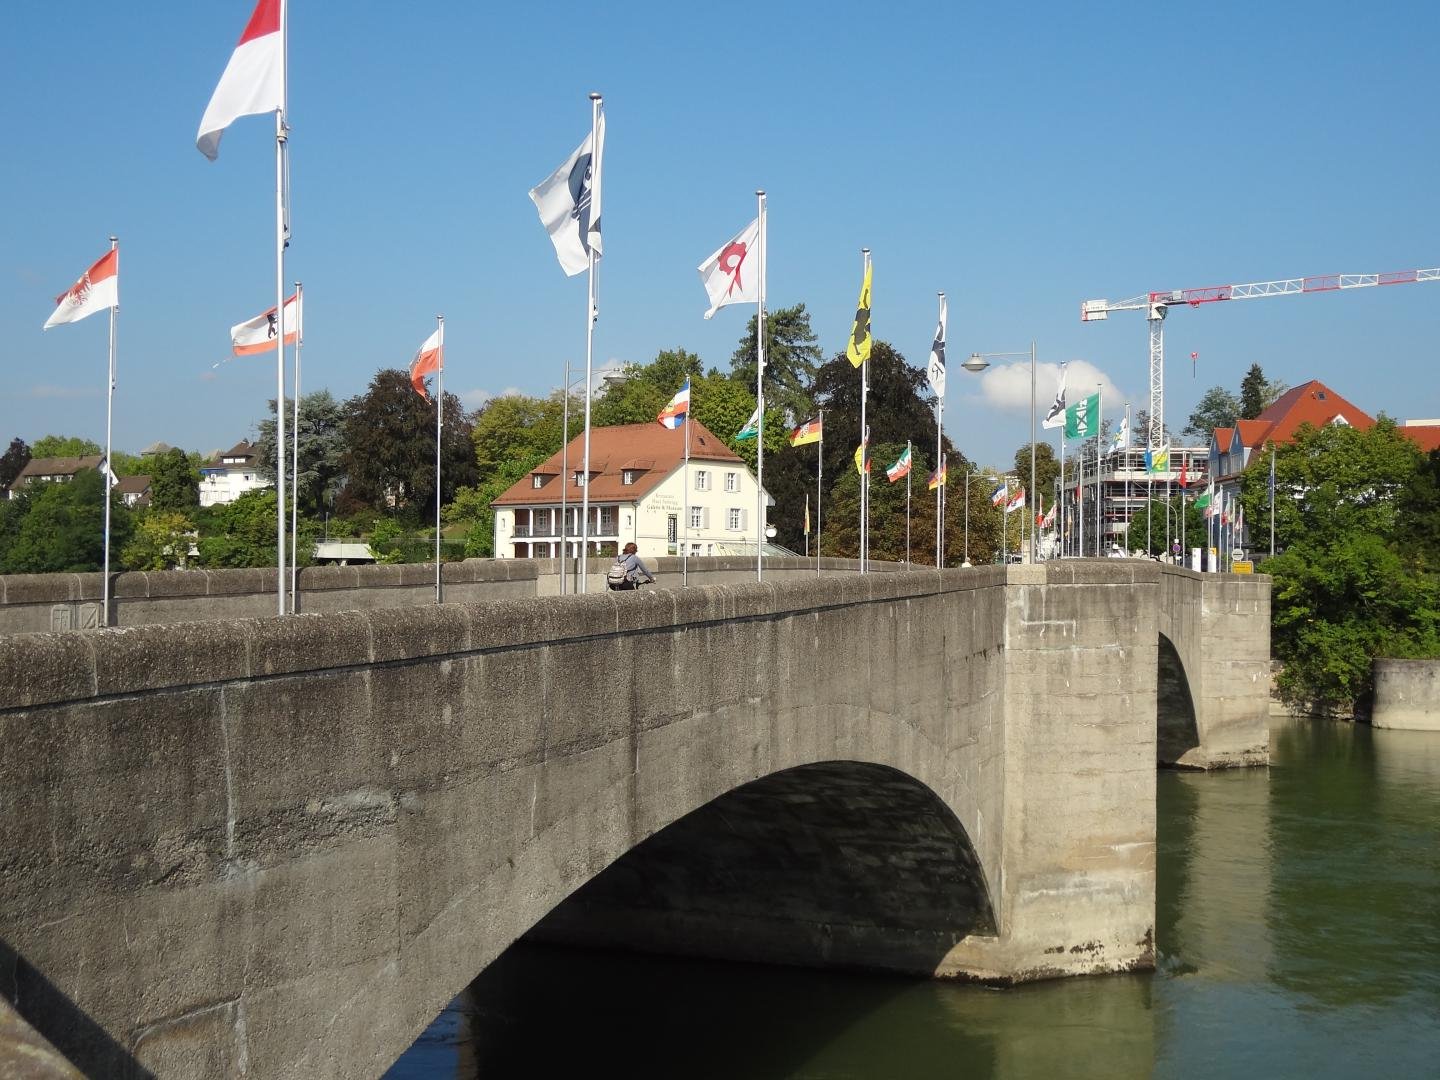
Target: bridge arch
(1177, 730)
(836, 863)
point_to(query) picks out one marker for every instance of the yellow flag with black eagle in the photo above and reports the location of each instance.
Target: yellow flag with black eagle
(858, 347)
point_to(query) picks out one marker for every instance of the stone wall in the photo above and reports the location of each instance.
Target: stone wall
(1407, 694)
(279, 846)
(32, 603)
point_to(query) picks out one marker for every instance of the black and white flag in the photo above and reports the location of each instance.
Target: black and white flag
(569, 203)
(935, 370)
(1056, 416)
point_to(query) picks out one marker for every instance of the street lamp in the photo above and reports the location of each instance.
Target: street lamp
(978, 362)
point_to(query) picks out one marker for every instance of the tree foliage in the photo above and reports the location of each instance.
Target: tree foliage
(1154, 535)
(792, 356)
(59, 527)
(49, 446)
(239, 533)
(174, 482)
(161, 541)
(1047, 468)
(1257, 393)
(1217, 408)
(322, 448)
(16, 457)
(389, 434)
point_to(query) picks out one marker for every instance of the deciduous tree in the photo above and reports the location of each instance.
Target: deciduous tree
(1217, 408)
(16, 457)
(322, 449)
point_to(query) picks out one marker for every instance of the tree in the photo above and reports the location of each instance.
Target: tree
(1257, 393)
(1332, 481)
(161, 541)
(174, 482)
(1217, 408)
(62, 528)
(389, 456)
(1047, 467)
(50, 446)
(645, 388)
(791, 359)
(16, 457)
(239, 533)
(1417, 526)
(1140, 430)
(322, 449)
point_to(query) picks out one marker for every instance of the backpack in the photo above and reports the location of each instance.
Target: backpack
(616, 575)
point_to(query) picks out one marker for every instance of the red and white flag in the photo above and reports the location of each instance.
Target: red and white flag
(97, 290)
(731, 275)
(1015, 502)
(254, 79)
(430, 359)
(257, 335)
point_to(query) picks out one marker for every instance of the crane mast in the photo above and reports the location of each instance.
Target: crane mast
(1157, 305)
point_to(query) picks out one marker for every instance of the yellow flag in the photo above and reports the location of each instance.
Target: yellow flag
(858, 347)
(862, 458)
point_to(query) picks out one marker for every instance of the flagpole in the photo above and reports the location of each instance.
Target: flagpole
(1272, 500)
(564, 472)
(807, 524)
(907, 507)
(864, 448)
(759, 402)
(281, 143)
(939, 453)
(685, 501)
(439, 424)
(295, 448)
(109, 468)
(1060, 495)
(1099, 488)
(590, 316)
(819, 485)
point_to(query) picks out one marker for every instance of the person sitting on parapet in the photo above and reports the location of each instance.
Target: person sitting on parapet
(627, 572)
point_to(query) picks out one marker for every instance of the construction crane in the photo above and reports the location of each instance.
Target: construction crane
(1157, 305)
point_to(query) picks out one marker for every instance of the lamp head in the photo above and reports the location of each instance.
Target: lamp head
(976, 363)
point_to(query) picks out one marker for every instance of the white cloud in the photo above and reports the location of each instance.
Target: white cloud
(1006, 387)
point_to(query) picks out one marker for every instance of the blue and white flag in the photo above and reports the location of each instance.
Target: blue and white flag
(1056, 416)
(569, 203)
(1122, 437)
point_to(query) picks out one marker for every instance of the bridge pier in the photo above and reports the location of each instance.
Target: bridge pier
(284, 844)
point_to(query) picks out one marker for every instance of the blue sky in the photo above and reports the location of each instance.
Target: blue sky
(1022, 159)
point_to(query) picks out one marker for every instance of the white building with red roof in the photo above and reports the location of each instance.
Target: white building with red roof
(640, 491)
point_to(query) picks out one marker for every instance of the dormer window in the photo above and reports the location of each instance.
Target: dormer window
(579, 478)
(627, 477)
(537, 481)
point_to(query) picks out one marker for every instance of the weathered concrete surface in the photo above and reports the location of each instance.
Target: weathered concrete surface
(33, 603)
(25, 1055)
(279, 846)
(1407, 694)
(1217, 626)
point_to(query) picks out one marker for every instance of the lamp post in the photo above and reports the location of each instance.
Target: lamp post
(981, 360)
(608, 378)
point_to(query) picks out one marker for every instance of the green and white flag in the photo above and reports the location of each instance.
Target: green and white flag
(1082, 420)
(1203, 501)
(752, 426)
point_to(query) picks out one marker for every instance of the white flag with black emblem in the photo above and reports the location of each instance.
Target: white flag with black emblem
(1056, 416)
(935, 370)
(569, 203)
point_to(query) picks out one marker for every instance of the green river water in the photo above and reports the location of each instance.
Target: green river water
(1298, 928)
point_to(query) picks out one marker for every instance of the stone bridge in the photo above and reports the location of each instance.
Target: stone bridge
(277, 847)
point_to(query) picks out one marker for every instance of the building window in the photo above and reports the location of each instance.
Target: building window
(734, 519)
(536, 480)
(607, 521)
(732, 481)
(627, 477)
(579, 478)
(542, 522)
(672, 528)
(697, 517)
(702, 480)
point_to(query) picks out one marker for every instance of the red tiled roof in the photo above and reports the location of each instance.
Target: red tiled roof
(1425, 436)
(1311, 403)
(1222, 439)
(614, 450)
(1253, 432)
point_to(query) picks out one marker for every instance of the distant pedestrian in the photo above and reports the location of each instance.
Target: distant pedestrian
(627, 571)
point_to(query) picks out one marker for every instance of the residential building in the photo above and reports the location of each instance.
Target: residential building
(134, 491)
(640, 490)
(225, 477)
(57, 470)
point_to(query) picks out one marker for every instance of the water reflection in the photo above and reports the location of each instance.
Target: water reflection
(1298, 934)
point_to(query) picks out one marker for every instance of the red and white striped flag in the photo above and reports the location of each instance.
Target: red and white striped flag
(257, 335)
(430, 358)
(97, 290)
(253, 81)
